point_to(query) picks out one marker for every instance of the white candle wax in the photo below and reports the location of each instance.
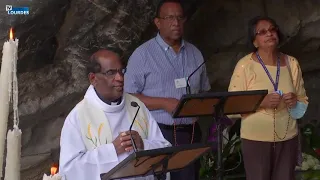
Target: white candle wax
(52, 177)
(9, 52)
(12, 170)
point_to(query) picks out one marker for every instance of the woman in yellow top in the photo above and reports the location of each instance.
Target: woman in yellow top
(270, 135)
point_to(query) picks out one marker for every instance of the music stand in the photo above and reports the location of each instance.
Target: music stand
(157, 162)
(219, 104)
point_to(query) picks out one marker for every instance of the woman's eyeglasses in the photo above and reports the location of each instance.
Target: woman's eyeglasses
(263, 32)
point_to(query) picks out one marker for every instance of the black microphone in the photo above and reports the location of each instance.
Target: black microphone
(188, 85)
(134, 104)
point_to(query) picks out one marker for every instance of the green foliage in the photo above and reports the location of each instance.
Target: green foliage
(232, 159)
(308, 175)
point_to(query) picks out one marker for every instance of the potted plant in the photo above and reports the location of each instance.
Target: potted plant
(231, 154)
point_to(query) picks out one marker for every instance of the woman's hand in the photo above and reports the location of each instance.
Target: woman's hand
(290, 99)
(271, 100)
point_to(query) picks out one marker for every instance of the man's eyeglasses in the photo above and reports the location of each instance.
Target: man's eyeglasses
(113, 72)
(172, 18)
(265, 31)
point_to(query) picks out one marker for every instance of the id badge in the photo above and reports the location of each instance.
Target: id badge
(180, 83)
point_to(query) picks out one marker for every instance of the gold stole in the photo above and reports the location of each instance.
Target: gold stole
(94, 125)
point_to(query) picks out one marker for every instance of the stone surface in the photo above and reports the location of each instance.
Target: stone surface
(59, 35)
(36, 32)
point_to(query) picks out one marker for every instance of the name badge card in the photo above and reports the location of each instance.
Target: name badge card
(180, 83)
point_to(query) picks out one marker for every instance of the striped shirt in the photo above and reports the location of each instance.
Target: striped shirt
(153, 67)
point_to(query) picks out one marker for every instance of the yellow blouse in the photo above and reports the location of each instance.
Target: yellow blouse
(259, 126)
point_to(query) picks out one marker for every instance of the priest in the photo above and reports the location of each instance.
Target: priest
(95, 136)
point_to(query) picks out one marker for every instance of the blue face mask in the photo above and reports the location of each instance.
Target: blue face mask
(298, 111)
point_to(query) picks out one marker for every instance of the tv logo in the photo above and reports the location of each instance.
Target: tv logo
(8, 8)
(17, 10)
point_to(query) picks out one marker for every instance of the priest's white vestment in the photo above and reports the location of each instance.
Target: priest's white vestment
(86, 144)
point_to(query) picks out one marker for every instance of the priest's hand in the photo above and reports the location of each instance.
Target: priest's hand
(118, 145)
(126, 140)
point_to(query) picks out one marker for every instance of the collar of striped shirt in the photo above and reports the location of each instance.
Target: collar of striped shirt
(164, 45)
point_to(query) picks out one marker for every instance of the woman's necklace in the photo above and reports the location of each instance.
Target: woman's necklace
(275, 85)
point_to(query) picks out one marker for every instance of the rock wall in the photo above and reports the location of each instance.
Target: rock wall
(59, 35)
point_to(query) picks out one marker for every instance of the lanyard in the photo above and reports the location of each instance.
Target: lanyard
(275, 84)
(183, 59)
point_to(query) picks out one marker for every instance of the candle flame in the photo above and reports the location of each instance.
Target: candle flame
(11, 33)
(54, 170)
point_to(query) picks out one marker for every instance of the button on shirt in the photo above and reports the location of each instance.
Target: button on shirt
(153, 67)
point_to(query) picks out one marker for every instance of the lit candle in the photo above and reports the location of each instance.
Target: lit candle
(10, 49)
(53, 176)
(12, 170)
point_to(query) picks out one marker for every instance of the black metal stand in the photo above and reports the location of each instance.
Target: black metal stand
(162, 175)
(219, 104)
(217, 116)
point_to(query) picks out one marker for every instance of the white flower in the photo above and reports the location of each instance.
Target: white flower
(316, 167)
(305, 166)
(311, 162)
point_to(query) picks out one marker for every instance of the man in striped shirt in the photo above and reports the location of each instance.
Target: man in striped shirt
(157, 72)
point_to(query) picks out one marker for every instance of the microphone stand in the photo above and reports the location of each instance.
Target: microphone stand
(134, 104)
(188, 85)
(217, 117)
(188, 91)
